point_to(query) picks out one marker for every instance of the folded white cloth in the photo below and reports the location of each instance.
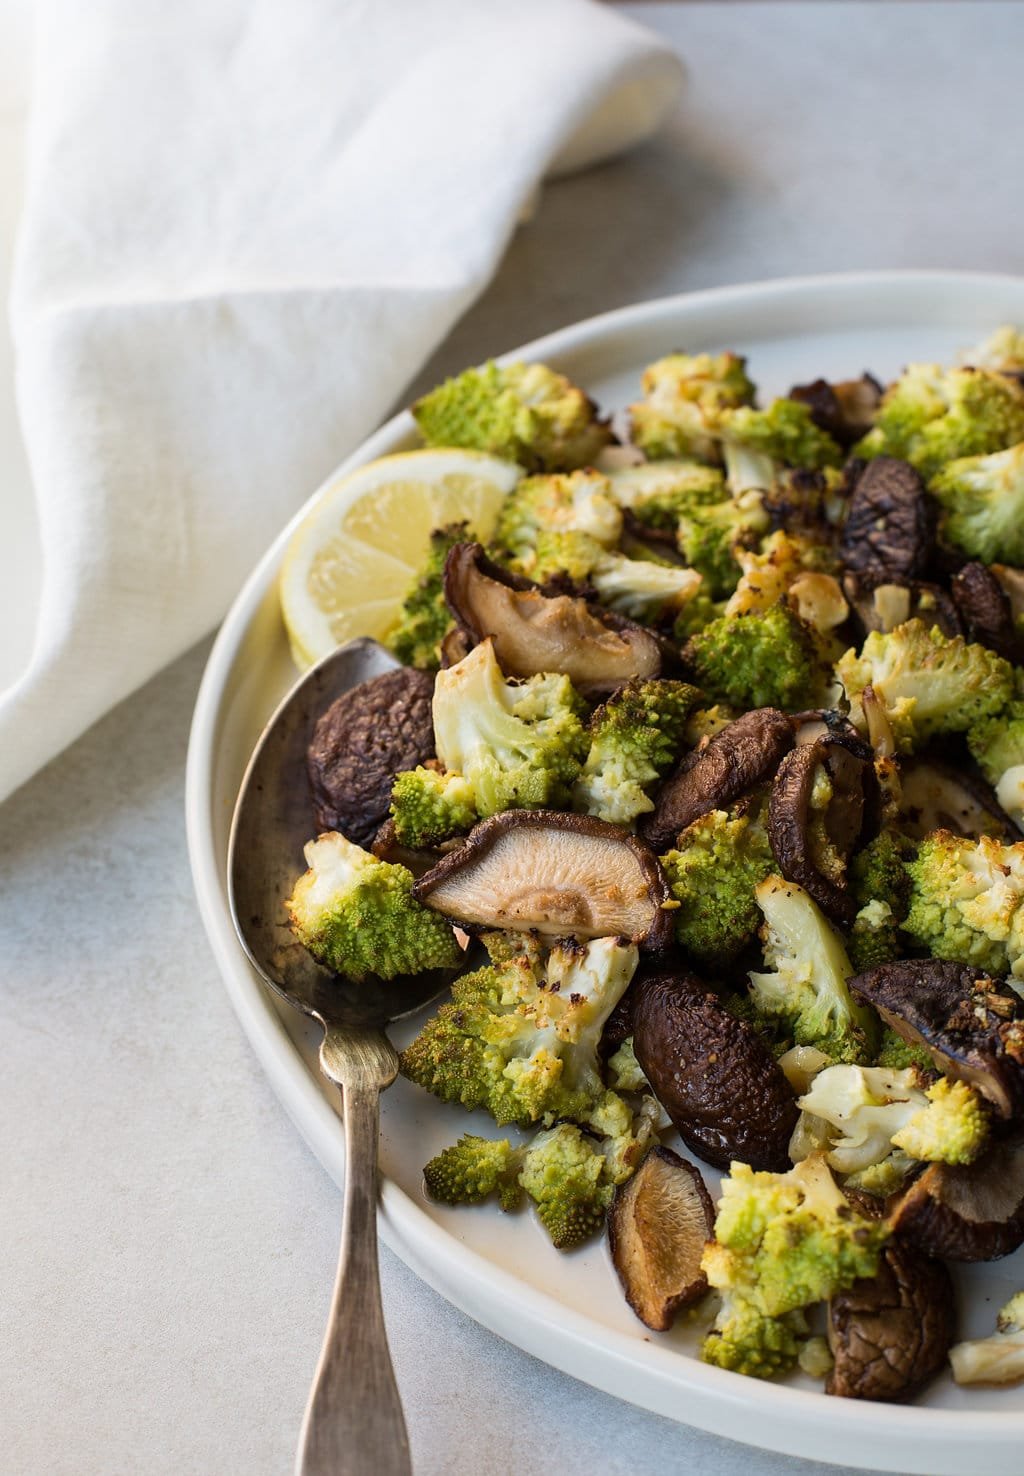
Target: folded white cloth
(248, 223)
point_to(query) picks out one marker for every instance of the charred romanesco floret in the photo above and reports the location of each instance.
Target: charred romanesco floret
(759, 660)
(928, 683)
(576, 502)
(782, 1243)
(425, 619)
(966, 902)
(807, 984)
(635, 737)
(521, 1040)
(502, 745)
(932, 415)
(952, 1128)
(656, 492)
(983, 501)
(684, 397)
(522, 412)
(356, 915)
(785, 432)
(719, 861)
(881, 889)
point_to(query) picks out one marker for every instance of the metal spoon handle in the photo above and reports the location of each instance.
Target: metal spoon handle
(354, 1423)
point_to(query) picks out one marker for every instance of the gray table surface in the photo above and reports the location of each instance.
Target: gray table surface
(167, 1242)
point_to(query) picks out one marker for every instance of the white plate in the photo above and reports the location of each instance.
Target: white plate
(567, 1309)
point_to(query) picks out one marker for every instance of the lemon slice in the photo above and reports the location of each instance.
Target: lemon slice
(350, 562)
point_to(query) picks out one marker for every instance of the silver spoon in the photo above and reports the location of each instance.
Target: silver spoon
(353, 1423)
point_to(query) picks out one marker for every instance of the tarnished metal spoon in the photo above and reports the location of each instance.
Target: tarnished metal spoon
(353, 1424)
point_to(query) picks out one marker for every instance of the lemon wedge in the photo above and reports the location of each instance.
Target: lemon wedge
(351, 561)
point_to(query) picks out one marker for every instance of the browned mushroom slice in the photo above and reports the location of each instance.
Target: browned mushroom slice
(965, 1214)
(845, 410)
(890, 1334)
(732, 763)
(986, 610)
(712, 1073)
(884, 604)
(888, 528)
(657, 1226)
(556, 874)
(958, 1014)
(534, 632)
(812, 846)
(367, 736)
(935, 796)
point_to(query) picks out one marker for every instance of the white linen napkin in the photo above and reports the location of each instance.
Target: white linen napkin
(247, 225)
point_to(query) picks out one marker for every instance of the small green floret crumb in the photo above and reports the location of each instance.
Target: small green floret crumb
(769, 660)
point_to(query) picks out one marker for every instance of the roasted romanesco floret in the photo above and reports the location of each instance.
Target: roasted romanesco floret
(684, 397)
(809, 968)
(881, 888)
(522, 412)
(578, 502)
(952, 1128)
(785, 432)
(983, 502)
(782, 1243)
(719, 861)
(473, 1169)
(425, 618)
(710, 535)
(656, 492)
(635, 737)
(502, 745)
(521, 1039)
(928, 683)
(356, 915)
(772, 659)
(1002, 350)
(967, 901)
(997, 742)
(932, 415)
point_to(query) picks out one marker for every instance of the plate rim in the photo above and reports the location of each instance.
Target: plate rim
(797, 1422)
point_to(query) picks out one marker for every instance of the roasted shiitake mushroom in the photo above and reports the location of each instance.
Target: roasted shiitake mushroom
(972, 1213)
(657, 1226)
(888, 530)
(936, 796)
(845, 410)
(986, 610)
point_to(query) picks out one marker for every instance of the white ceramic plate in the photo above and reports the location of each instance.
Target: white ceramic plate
(567, 1309)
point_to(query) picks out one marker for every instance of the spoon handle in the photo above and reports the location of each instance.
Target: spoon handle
(354, 1423)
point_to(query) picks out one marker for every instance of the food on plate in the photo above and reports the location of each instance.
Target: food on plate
(998, 1359)
(705, 765)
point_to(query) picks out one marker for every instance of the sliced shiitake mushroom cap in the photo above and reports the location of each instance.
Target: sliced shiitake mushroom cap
(732, 763)
(712, 1073)
(556, 874)
(936, 796)
(367, 736)
(889, 1334)
(657, 1226)
(812, 850)
(888, 528)
(986, 610)
(846, 410)
(960, 1016)
(882, 604)
(973, 1213)
(534, 632)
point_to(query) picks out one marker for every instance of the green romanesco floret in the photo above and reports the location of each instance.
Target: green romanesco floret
(881, 888)
(1002, 350)
(772, 659)
(684, 396)
(807, 984)
(635, 737)
(899, 1053)
(657, 492)
(952, 1128)
(782, 1243)
(429, 807)
(928, 683)
(982, 498)
(711, 535)
(564, 1173)
(357, 916)
(625, 1073)
(521, 1040)
(425, 619)
(967, 901)
(996, 742)
(785, 432)
(523, 412)
(518, 745)
(578, 502)
(932, 415)
(718, 862)
(696, 615)
(473, 1169)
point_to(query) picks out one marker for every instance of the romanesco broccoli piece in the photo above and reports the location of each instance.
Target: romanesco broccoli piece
(1002, 350)
(759, 660)
(782, 1243)
(952, 1128)
(522, 1042)
(996, 742)
(809, 968)
(966, 901)
(710, 535)
(522, 412)
(881, 889)
(564, 1174)
(718, 862)
(356, 915)
(983, 501)
(635, 737)
(425, 619)
(785, 432)
(932, 415)
(899, 1053)
(624, 1070)
(684, 396)
(578, 502)
(429, 807)
(657, 492)
(473, 1169)
(928, 683)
